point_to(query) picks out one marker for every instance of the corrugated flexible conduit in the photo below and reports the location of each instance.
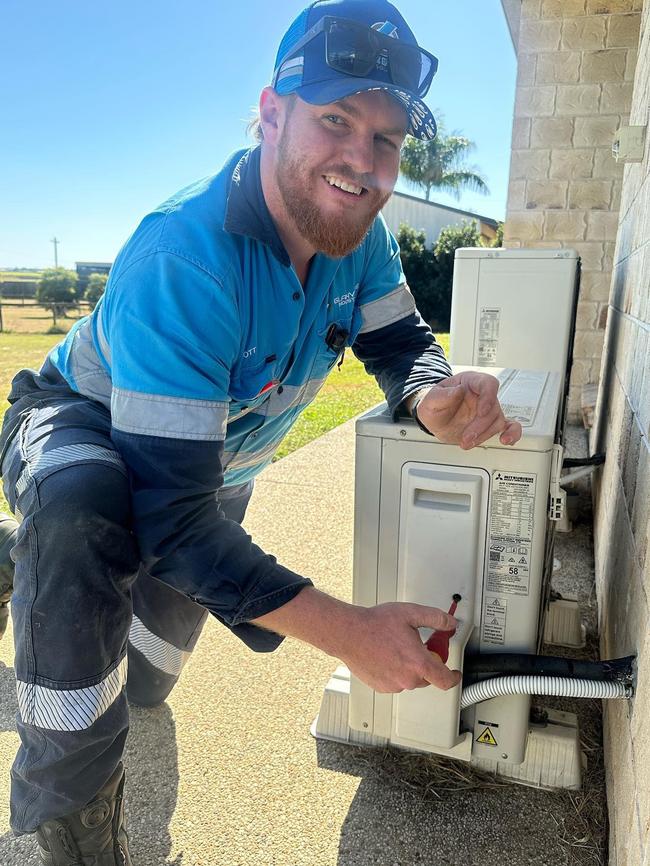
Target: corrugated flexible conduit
(539, 685)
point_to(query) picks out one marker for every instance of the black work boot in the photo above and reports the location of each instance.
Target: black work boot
(93, 836)
(8, 530)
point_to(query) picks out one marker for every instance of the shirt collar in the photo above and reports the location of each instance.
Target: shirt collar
(246, 210)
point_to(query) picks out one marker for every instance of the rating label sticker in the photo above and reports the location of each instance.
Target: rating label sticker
(520, 395)
(511, 532)
(488, 335)
(494, 620)
(524, 414)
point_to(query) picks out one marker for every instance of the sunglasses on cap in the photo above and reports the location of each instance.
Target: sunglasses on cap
(355, 49)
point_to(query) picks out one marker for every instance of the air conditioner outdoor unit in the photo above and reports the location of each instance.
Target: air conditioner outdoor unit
(514, 308)
(431, 521)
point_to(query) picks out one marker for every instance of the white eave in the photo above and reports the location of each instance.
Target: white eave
(512, 9)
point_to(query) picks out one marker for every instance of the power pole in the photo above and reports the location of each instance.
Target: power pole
(56, 242)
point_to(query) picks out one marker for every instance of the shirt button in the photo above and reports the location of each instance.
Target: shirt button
(280, 389)
(296, 296)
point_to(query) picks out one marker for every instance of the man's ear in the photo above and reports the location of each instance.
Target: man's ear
(271, 115)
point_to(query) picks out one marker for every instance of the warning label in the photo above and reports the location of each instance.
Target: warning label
(524, 414)
(487, 738)
(494, 621)
(488, 336)
(520, 395)
(511, 532)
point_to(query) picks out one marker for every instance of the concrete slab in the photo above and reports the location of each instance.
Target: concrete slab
(227, 774)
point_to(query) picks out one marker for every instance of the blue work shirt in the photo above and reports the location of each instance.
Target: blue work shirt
(205, 347)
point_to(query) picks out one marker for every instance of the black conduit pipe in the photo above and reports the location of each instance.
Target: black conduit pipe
(613, 670)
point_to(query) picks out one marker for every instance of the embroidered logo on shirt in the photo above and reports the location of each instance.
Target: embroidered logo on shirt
(250, 352)
(347, 298)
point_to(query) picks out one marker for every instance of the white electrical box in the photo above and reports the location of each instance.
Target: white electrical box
(513, 308)
(629, 144)
(432, 520)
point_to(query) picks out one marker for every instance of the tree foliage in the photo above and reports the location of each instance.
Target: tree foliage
(95, 288)
(420, 269)
(450, 239)
(56, 291)
(429, 270)
(440, 164)
(498, 240)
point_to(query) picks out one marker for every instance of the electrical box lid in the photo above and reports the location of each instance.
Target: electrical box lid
(501, 253)
(531, 397)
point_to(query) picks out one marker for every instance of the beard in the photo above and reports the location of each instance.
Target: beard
(338, 236)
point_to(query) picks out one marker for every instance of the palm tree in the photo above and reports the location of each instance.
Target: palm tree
(439, 164)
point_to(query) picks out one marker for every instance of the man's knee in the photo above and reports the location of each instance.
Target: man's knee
(84, 515)
(76, 559)
(88, 489)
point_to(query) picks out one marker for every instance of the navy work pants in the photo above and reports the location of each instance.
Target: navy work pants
(91, 627)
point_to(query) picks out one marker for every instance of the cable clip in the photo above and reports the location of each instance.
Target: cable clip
(557, 496)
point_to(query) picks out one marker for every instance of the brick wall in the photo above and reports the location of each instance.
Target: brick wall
(576, 64)
(622, 496)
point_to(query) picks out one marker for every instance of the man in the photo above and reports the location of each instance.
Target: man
(130, 456)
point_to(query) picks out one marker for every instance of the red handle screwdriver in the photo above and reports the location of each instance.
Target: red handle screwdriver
(438, 641)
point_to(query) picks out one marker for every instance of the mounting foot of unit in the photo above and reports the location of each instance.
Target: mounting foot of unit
(332, 721)
(562, 626)
(553, 757)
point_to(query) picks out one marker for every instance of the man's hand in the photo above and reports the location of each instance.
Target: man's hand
(464, 410)
(389, 655)
(381, 645)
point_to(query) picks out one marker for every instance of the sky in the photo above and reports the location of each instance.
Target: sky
(106, 109)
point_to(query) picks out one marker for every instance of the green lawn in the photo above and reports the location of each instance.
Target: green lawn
(19, 275)
(21, 350)
(347, 392)
(18, 351)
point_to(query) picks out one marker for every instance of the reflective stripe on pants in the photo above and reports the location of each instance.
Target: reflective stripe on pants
(77, 571)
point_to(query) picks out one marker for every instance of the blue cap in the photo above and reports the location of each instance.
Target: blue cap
(308, 75)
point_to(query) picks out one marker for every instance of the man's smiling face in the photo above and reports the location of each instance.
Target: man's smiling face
(336, 166)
